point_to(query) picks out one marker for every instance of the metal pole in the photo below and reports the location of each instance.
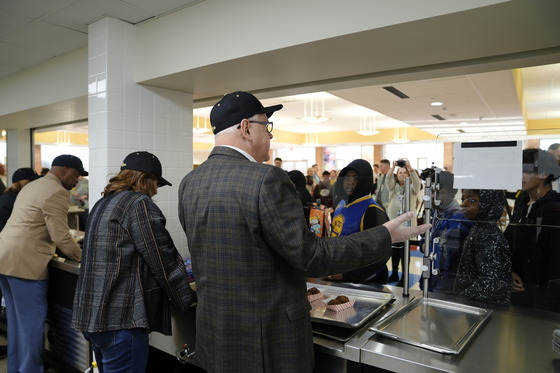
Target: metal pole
(427, 259)
(428, 269)
(406, 259)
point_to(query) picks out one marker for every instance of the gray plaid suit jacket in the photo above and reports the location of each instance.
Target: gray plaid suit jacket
(251, 252)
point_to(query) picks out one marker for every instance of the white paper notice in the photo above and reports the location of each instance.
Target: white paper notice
(488, 165)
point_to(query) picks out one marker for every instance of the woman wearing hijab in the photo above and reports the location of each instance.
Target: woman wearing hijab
(357, 211)
(484, 272)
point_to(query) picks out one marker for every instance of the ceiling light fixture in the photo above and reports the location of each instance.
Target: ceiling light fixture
(316, 112)
(63, 138)
(400, 136)
(311, 139)
(200, 129)
(367, 128)
(437, 103)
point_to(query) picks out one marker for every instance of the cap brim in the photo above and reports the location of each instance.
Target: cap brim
(163, 182)
(270, 110)
(84, 173)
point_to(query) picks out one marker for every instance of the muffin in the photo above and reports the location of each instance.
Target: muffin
(313, 294)
(340, 303)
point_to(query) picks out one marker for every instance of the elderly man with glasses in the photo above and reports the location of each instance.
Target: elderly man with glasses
(251, 248)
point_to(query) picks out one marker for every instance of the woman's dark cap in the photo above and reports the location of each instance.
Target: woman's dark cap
(24, 173)
(236, 106)
(144, 162)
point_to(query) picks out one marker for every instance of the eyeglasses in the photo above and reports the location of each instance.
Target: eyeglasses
(269, 125)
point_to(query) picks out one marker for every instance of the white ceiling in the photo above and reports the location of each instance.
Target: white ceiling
(33, 31)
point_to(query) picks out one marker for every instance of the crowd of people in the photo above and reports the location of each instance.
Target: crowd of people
(251, 268)
(475, 255)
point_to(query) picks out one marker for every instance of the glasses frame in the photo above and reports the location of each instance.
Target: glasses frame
(268, 125)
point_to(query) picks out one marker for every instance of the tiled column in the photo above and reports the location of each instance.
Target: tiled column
(18, 145)
(125, 117)
(377, 153)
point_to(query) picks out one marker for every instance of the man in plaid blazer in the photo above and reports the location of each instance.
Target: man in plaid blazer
(251, 249)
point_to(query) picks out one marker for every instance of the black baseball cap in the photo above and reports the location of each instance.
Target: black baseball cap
(236, 106)
(24, 173)
(68, 160)
(144, 162)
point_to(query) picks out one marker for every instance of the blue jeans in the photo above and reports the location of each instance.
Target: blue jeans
(26, 311)
(120, 351)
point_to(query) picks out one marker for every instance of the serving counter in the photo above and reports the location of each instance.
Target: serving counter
(512, 339)
(63, 344)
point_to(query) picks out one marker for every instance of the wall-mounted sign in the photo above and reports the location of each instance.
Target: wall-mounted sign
(488, 165)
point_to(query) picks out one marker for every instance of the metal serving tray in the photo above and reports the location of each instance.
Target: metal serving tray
(433, 324)
(367, 304)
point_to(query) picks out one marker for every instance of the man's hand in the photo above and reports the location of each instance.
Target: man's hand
(400, 233)
(517, 282)
(337, 277)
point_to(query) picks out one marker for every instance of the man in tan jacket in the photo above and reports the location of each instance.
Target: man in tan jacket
(37, 226)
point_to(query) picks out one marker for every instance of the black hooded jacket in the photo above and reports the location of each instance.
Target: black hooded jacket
(534, 236)
(373, 216)
(484, 271)
(365, 180)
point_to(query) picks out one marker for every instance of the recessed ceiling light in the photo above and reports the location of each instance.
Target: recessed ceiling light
(436, 103)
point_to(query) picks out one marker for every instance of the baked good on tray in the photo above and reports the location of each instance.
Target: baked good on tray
(313, 294)
(340, 303)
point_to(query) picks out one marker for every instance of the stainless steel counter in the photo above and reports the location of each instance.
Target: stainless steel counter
(65, 265)
(351, 350)
(511, 340)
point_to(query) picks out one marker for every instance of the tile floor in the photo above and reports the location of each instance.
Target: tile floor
(415, 268)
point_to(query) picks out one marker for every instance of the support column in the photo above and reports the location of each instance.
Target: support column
(319, 159)
(125, 117)
(448, 156)
(377, 153)
(18, 149)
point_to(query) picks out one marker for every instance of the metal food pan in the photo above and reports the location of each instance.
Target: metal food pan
(433, 324)
(367, 304)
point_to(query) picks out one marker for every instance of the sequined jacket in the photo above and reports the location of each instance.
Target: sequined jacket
(484, 272)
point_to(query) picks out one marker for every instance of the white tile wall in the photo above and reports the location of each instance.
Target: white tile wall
(125, 117)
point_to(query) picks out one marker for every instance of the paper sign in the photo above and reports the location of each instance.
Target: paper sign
(488, 165)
